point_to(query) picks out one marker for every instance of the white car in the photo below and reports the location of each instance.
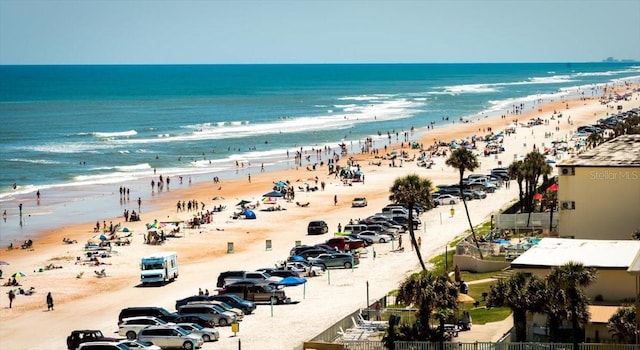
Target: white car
(375, 236)
(359, 202)
(137, 344)
(207, 334)
(130, 326)
(303, 268)
(170, 336)
(102, 345)
(447, 199)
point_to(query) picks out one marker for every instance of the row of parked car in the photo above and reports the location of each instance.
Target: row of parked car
(193, 323)
(475, 186)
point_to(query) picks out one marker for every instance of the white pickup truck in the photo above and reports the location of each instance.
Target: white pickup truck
(229, 277)
(304, 268)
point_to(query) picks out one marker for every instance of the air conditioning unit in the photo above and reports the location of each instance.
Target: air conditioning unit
(568, 171)
(568, 205)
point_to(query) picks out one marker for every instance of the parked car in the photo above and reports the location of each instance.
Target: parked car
(447, 199)
(104, 345)
(346, 260)
(130, 326)
(207, 334)
(228, 277)
(303, 268)
(317, 227)
(78, 337)
(136, 344)
(327, 248)
(280, 272)
(479, 194)
(218, 315)
(376, 236)
(245, 305)
(197, 319)
(359, 202)
(309, 253)
(154, 311)
(256, 292)
(367, 240)
(345, 243)
(300, 248)
(170, 337)
(226, 307)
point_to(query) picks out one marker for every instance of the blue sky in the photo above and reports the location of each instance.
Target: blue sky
(303, 31)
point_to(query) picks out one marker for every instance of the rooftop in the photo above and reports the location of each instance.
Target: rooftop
(623, 151)
(550, 252)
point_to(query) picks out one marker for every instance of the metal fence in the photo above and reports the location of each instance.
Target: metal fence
(402, 345)
(525, 221)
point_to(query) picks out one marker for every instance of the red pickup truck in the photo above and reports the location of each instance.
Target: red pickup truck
(345, 243)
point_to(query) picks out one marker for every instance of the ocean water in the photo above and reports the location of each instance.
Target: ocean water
(77, 133)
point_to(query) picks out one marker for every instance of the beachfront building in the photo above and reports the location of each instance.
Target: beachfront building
(615, 282)
(599, 191)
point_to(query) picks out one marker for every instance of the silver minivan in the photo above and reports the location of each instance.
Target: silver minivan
(355, 228)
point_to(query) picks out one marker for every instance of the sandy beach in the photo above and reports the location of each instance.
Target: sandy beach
(94, 303)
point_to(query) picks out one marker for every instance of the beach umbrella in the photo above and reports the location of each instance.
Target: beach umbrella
(273, 194)
(291, 281)
(18, 274)
(465, 299)
(553, 188)
(537, 196)
(243, 202)
(2, 262)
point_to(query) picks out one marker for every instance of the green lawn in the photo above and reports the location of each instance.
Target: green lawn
(480, 314)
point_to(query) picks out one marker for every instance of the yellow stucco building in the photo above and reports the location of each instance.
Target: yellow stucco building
(599, 191)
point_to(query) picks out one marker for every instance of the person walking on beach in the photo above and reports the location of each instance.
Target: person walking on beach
(49, 302)
(399, 242)
(249, 178)
(12, 295)
(139, 204)
(335, 199)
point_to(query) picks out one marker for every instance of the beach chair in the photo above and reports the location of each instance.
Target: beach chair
(377, 325)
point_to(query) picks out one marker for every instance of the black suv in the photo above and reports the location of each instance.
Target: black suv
(317, 227)
(223, 275)
(152, 311)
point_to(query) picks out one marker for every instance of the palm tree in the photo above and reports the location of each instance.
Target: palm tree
(622, 324)
(533, 166)
(463, 159)
(428, 293)
(412, 190)
(594, 139)
(521, 293)
(516, 172)
(572, 278)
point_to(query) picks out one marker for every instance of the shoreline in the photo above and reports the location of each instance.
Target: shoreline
(59, 209)
(205, 249)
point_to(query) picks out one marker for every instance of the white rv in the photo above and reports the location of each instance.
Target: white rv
(160, 267)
